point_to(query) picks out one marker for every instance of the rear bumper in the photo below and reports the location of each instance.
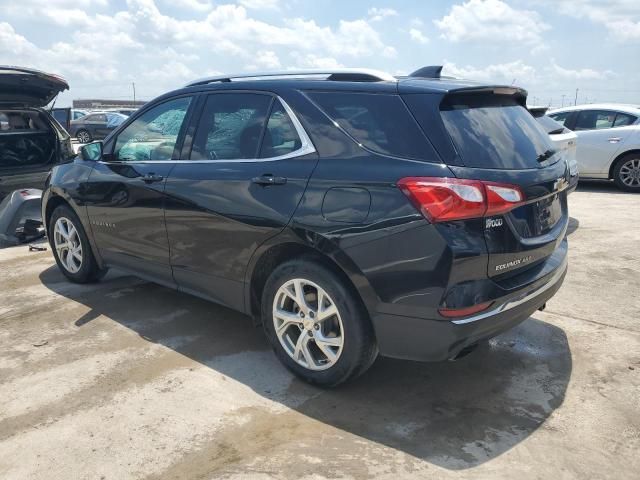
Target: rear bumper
(436, 340)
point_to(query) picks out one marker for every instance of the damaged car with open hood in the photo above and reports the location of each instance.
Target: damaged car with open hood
(31, 140)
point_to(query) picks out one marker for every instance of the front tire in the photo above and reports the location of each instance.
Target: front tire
(316, 324)
(71, 248)
(626, 173)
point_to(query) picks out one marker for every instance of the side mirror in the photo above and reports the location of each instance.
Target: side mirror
(91, 151)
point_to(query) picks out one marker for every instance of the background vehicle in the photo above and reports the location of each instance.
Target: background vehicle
(20, 217)
(124, 111)
(564, 139)
(95, 125)
(349, 211)
(64, 116)
(608, 141)
(31, 140)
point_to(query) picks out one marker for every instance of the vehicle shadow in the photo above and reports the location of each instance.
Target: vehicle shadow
(456, 415)
(599, 186)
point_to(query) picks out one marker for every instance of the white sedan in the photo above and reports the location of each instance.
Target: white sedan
(608, 141)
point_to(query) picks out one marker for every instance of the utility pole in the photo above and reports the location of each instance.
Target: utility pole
(563, 95)
(133, 84)
(575, 102)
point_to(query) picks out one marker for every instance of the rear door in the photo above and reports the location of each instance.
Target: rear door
(236, 187)
(601, 135)
(494, 138)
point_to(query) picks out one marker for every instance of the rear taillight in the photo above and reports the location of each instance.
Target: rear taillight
(464, 312)
(446, 199)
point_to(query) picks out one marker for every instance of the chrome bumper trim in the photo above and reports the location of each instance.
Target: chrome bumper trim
(517, 301)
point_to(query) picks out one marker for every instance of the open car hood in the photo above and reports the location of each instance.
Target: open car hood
(25, 87)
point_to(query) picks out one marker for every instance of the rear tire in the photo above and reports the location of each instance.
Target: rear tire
(330, 339)
(626, 173)
(84, 136)
(71, 248)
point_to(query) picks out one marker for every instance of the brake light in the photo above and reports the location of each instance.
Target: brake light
(446, 199)
(502, 198)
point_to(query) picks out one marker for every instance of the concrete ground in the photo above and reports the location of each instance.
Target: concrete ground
(126, 379)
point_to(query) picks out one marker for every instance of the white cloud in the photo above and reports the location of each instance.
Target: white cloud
(197, 5)
(310, 60)
(580, 73)
(620, 17)
(376, 14)
(265, 59)
(144, 44)
(503, 72)
(491, 21)
(261, 4)
(522, 74)
(418, 36)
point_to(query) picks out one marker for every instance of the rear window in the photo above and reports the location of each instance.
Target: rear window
(379, 122)
(494, 131)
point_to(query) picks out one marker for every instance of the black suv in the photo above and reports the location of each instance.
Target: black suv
(350, 212)
(31, 140)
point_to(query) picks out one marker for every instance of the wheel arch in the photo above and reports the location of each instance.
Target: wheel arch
(619, 157)
(55, 197)
(52, 203)
(289, 247)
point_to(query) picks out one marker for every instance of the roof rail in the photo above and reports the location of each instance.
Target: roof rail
(344, 74)
(431, 71)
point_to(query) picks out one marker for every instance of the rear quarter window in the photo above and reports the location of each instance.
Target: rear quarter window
(379, 122)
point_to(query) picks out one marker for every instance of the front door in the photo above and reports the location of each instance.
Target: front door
(601, 135)
(245, 175)
(125, 194)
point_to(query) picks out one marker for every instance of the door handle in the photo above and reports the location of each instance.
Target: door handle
(268, 179)
(614, 139)
(152, 178)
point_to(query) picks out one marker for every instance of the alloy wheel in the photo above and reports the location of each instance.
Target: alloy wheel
(67, 244)
(308, 324)
(84, 137)
(630, 173)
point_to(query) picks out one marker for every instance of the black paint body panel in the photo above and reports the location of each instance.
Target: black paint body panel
(206, 227)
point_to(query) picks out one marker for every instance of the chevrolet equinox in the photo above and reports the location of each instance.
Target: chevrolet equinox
(350, 212)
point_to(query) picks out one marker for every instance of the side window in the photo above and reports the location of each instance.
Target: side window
(380, 122)
(281, 136)
(561, 118)
(97, 118)
(114, 120)
(231, 126)
(595, 120)
(623, 119)
(153, 135)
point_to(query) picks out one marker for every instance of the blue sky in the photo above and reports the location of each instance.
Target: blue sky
(550, 47)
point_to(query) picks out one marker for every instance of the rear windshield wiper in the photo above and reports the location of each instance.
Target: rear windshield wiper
(546, 155)
(556, 131)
